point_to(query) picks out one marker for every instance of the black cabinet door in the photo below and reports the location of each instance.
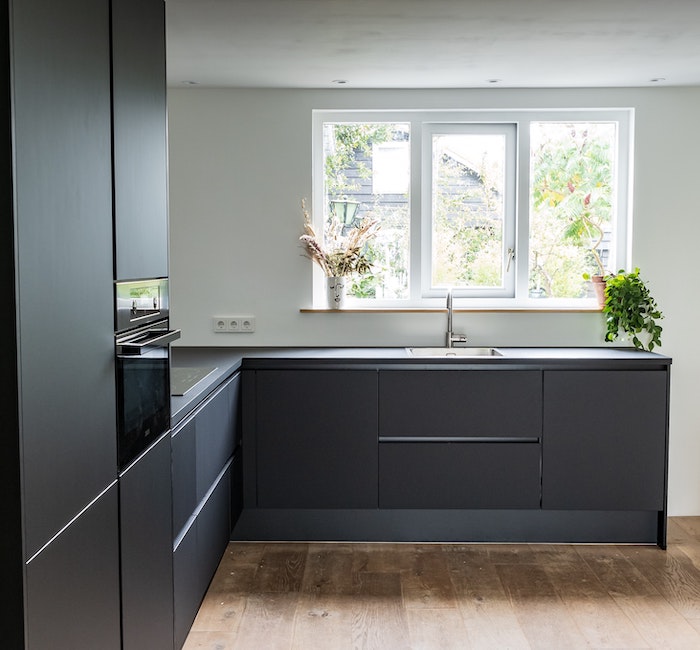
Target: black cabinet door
(604, 440)
(146, 550)
(197, 554)
(72, 585)
(62, 165)
(184, 467)
(316, 438)
(460, 403)
(139, 127)
(216, 431)
(201, 447)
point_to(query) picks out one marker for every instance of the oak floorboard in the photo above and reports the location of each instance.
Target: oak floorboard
(330, 569)
(677, 532)
(281, 568)
(487, 611)
(220, 612)
(323, 620)
(426, 584)
(379, 620)
(597, 615)
(384, 557)
(375, 596)
(690, 549)
(210, 641)
(672, 573)
(268, 622)
(543, 616)
(441, 628)
(688, 526)
(656, 620)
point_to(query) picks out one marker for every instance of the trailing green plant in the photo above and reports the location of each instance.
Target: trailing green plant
(630, 308)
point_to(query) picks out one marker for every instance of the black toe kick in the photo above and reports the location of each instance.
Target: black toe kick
(454, 526)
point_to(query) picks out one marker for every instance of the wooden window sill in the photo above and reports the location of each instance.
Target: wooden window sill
(470, 310)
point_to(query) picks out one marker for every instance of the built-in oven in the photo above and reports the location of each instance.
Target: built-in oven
(142, 342)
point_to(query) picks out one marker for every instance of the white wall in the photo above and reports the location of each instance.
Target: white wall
(240, 162)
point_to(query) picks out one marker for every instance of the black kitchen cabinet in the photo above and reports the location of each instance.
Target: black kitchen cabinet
(206, 494)
(140, 144)
(56, 278)
(201, 445)
(73, 584)
(184, 469)
(198, 551)
(439, 429)
(604, 446)
(64, 224)
(316, 439)
(146, 546)
(218, 434)
(554, 446)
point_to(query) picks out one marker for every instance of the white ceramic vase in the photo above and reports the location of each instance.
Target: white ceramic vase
(336, 292)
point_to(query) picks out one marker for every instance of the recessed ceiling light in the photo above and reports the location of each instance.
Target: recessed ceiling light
(189, 83)
(656, 80)
(339, 82)
(494, 81)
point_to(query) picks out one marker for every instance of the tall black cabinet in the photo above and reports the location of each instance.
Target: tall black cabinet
(59, 549)
(66, 169)
(140, 133)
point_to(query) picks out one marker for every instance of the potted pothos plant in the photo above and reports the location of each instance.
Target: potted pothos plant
(630, 309)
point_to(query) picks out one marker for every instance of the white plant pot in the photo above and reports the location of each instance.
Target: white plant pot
(336, 292)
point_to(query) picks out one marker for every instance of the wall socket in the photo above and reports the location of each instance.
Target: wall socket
(229, 324)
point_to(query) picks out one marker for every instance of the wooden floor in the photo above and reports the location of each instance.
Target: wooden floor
(444, 596)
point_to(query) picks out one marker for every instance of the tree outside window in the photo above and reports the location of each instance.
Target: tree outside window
(571, 215)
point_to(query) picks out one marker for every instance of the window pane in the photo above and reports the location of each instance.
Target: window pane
(370, 163)
(572, 194)
(468, 203)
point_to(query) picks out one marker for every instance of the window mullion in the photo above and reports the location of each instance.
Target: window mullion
(522, 232)
(417, 259)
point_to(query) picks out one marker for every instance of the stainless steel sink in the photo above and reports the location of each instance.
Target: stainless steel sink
(454, 352)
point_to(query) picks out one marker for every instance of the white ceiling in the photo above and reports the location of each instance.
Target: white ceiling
(433, 43)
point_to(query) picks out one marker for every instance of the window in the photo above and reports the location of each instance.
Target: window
(505, 208)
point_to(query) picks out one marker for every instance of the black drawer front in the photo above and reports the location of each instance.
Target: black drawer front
(460, 403)
(451, 475)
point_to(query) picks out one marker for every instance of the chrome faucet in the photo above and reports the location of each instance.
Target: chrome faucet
(452, 337)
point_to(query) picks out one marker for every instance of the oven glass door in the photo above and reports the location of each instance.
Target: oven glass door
(143, 400)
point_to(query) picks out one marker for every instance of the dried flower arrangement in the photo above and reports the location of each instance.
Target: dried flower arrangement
(339, 255)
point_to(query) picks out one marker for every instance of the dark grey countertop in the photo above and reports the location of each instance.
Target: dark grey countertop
(225, 361)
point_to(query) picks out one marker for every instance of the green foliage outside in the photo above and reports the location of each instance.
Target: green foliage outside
(346, 146)
(349, 140)
(572, 197)
(467, 220)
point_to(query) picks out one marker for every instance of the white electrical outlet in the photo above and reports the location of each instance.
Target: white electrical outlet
(247, 323)
(229, 324)
(219, 324)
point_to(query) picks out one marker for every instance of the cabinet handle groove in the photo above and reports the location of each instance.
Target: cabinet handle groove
(499, 439)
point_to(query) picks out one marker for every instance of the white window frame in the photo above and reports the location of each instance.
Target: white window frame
(429, 129)
(422, 124)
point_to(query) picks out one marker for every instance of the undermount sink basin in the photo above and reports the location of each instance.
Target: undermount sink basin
(455, 352)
